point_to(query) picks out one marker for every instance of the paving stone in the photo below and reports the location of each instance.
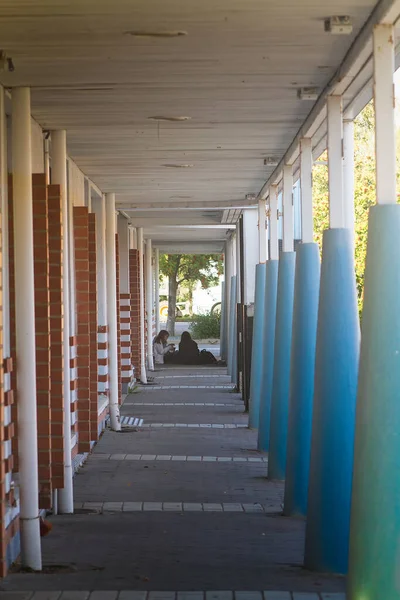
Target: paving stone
(161, 595)
(151, 506)
(179, 458)
(148, 457)
(333, 596)
(232, 507)
(209, 459)
(132, 595)
(305, 596)
(212, 507)
(163, 457)
(103, 595)
(73, 595)
(192, 506)
(248, 596)
(253, 508)
(117, 456)
(194, 458)
(15, 595)
(93, 505)
(277, 596)
(190, 596)
(78, 505)
(132, 506)
(133, 457)
(174, 506)
(219, 595)
(46, 595)
(224, 459)
(112, 506)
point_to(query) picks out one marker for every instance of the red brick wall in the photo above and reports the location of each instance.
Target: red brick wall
(56, 333)
(81, 239)
(118, 321)
(42, 329)
(93, 327)
(134, 282)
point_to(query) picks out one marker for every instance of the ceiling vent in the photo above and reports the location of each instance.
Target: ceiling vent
(308, 93)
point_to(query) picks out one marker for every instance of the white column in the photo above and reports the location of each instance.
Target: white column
(149, 303)
(273, 222)
(262, 231)
(385, 128)
(59, 176)
(239, 275)
(72, 279)
(123, 240)
(133, 240)
(288, 210)
(348, 175)
(4, 236)
(112, 312)
(143, 375)
(25, 329)
(335, 162)
(250, 253)
(157, 287)
(306, 163)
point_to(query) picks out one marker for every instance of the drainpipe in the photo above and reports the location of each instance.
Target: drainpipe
(59, 176)
(25, 329)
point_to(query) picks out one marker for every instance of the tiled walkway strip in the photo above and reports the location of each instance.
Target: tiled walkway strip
(229, 404)
(178, 507)
(151, 388)
(176, 458)
(143, 595)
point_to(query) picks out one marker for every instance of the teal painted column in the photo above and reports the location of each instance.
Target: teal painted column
(375, 512)
(336, 369)
(271, 284)
(257, 347)
(232, 329)
(222, 350)
(304, 335)
(281, 374)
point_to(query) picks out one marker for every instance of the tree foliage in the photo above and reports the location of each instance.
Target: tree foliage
(188, 269)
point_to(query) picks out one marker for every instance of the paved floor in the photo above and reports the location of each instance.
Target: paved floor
(178, 508)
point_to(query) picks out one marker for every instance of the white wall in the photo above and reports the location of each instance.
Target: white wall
(37, 147)
(76, 184)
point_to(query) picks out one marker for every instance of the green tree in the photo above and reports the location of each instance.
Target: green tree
(188, 268)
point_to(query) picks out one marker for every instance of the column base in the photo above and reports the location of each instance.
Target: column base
(257, 347)
(375, 516)
(336, 367)
(304, 334)
(281, 377)
(271, 286)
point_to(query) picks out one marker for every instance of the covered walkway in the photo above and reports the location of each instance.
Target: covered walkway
(187, 508)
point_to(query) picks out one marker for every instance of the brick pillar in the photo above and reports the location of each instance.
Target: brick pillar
(81, 239)
(134, 282)
(118, 320)
(56, 334)
(93, 328)
(125, 329)
(42, 330)
(73, 386)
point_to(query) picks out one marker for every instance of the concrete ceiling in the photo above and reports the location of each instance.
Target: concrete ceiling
(235, 74)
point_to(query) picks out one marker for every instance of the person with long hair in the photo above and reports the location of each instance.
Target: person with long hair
(189, 353)
(161, 348)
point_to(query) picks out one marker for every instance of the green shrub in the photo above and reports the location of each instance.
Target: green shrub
(206, 326)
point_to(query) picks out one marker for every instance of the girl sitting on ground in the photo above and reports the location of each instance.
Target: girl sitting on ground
(161, 348)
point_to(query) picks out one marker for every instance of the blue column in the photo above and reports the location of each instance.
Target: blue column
(336, 367)
(271, 284)
(304, 335)
(375, 512)
(232, 329)
(222, 350)
(257, 347)
(281, 376)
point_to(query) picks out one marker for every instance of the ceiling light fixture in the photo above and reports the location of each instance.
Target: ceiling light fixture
(165, 118)
(251, 197)
(271, 161)
(173, 166)
(157, 34)
(307, 93)
(338, 25)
